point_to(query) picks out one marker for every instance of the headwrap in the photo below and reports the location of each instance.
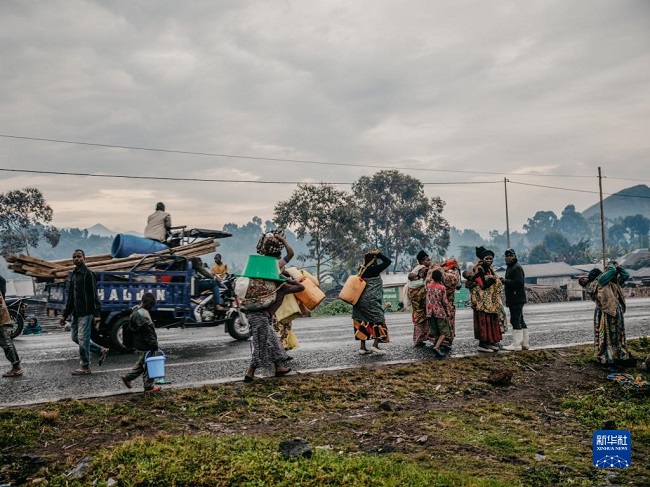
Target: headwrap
(450, 264)
(481, 252)
(594, 273)
(510, 251)
(421, 256)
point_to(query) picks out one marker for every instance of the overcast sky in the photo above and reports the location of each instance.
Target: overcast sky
(542, 92)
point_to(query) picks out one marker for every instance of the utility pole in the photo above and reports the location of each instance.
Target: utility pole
(505, 189)
(602, 216)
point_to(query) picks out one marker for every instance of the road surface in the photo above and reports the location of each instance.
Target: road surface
(209, 356)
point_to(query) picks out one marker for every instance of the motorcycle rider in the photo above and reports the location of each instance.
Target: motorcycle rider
(208, 281)
(219, 269)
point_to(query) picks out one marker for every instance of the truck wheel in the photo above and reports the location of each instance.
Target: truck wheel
(239, 328)
(17, 323)
(117, 335)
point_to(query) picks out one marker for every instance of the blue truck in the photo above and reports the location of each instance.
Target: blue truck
(172, 280)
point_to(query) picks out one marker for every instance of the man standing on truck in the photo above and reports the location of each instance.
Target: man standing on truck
(159, 224)
(84, 306)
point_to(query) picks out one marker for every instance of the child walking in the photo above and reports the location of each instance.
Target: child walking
(143, 338)
(436, 304)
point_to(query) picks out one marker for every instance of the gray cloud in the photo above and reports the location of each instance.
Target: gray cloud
(553, 87)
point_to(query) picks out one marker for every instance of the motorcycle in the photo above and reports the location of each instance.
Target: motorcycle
(16, 306)
(203, 310)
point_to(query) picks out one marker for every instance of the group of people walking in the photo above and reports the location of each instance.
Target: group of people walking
(431, 289)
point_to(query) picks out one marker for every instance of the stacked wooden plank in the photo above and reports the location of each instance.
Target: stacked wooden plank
(58, 270)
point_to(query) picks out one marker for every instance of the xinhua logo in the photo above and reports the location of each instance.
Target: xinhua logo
(612, 449)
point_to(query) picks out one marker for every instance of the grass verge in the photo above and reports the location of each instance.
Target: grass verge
(429, 423)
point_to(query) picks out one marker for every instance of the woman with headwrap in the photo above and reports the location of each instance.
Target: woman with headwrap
(368, 313)
(604, 288)
(451, 280)
(33, 327)
(486, 301)
(417, 295)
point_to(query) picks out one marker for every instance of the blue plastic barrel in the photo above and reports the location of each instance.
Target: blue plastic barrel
(125, 245)
(155, 364)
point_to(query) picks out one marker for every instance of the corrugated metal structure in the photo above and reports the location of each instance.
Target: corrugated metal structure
(550, 274)
(20, 287)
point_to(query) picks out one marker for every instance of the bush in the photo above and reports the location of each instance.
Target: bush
(335, 308)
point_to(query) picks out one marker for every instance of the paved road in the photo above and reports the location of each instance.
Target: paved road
(209, 356)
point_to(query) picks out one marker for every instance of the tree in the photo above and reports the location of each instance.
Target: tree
(539, 225)
(397, 215)
(328, 218)
(24, 221)
(631, 232)
(460, 239)
(539, 254)
(573, 225)
(580, 253)
(557, 244)
(467, 254)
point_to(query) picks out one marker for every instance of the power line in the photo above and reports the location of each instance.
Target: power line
(627, 179)
(276, 159)
(210, 180)
(580, 190)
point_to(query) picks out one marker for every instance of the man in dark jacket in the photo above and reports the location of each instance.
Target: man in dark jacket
(515, 301)
(142, 334)
(84, 306)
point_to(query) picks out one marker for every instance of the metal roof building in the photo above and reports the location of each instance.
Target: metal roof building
(550, 274)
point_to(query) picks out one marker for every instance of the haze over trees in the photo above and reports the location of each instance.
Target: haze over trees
(328, 220)
(388, 210)
(399, 218)
(25, 219)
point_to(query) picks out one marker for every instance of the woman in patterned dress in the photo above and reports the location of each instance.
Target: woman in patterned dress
(486, 301)
(368, 313)
(266, 349)
(451, 280)
(604, 288)
(417, 295)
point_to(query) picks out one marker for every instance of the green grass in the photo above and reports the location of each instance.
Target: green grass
(208, 461)
(448, 426)
(335, 308)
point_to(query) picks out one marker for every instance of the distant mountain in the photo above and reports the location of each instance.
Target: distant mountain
(101, 230)
(621, 205)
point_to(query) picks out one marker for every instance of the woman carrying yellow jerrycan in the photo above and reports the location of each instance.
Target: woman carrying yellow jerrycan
(261, 290)
(298, 304)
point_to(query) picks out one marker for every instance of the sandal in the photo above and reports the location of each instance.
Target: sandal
(248, 379)
(280, 373)
(102, 357)
(152, 390)
(127, 382)
(81, 371)
(13, 373)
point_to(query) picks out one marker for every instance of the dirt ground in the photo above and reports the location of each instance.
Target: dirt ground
(379, 409)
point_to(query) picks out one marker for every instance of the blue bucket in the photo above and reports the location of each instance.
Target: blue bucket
(155, 365)
(125, 245)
